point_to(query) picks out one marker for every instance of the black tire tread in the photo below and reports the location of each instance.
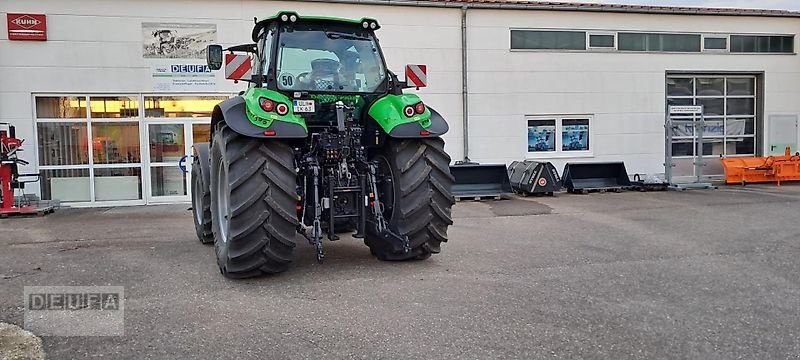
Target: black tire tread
(262, 223)
(423, 203)
(203, 229)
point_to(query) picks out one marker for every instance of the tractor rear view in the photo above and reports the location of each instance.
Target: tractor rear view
(323, 142)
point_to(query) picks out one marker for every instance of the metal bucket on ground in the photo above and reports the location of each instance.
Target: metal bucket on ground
(595, 177)
(480, 180)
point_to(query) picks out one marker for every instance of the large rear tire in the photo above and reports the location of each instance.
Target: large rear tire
(416, 191)
(201, 205)
(253, 202)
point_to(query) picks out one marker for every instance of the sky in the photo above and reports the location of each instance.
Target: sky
(761, 4)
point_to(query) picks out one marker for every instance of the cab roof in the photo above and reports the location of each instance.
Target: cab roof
(279, 17)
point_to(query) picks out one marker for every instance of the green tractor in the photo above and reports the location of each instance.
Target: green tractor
(323, 142)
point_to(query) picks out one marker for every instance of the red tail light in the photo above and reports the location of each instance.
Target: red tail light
(424, 132)
(270, 133)
(266, 104)
(409, 111)
(282, 109)
(419, 108)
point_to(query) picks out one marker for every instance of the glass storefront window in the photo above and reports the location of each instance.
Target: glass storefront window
(63, 144)
(680, 87)
(95, 148)
(201, 133)
(730, 104)
(115, 143)
(741, 146)
(710, 86)
(741, 87)
(181, 106)
(166, 143)
(65, 107)
(66, 185)
(167, 181)
(738, 127)
(110, 107)
(117, 184)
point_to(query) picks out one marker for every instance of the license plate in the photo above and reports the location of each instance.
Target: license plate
(304, 106)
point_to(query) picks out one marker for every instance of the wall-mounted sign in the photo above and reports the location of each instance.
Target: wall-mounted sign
(176, 40)
(183, 77)
(31, 27)
(686, 109)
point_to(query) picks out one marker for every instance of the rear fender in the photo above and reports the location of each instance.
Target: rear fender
(438, 127)
(234, 112)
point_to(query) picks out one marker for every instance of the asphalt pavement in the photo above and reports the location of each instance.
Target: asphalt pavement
(694, 275)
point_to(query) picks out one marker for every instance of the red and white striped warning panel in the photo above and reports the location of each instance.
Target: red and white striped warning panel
(417, 75)
(237, 67)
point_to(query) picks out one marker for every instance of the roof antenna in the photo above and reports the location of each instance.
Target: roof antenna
(255, 20)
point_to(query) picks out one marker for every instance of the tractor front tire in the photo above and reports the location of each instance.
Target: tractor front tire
(201, 205)
(253, 204)
(417, 197)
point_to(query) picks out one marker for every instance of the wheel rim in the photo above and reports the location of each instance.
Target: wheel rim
(386, 187)
(197, 199)
(223, 203)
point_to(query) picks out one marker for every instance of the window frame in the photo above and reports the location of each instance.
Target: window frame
(616, 49)
(559, 152)
(727, 38)
(585, 33)
(646, 34)
(725, 117)
(757, 38)
(142, 120)
(589, 35)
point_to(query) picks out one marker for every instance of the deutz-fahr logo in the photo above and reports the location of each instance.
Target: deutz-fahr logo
(26, 22)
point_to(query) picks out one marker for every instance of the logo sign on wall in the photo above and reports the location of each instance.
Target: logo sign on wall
(183, 77)
(30, 27)
(177, 40)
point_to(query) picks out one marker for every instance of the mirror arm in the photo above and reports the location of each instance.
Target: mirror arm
(250, 48)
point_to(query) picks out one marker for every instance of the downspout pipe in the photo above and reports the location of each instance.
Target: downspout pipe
(464, 85)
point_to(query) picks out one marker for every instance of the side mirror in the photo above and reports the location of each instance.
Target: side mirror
(214, 57)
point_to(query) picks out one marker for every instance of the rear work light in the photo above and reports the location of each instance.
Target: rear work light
(282, 109)
(419, 108)
(409, 111)
(266, 104)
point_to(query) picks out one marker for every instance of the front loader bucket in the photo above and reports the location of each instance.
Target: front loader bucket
(596, 176)
(480, 180)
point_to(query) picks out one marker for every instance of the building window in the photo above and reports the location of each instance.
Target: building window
(715, 43)
(64, 107)
(656, 42)
(181, 106)
(762, 44)
(730, 112)
(542, 135)
(602, 41)
(575, 135)
(559, 134)
(548, 40)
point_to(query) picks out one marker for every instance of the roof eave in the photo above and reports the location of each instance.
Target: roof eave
(551, 6)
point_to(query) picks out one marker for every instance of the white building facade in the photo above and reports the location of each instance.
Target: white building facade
(117, 94)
